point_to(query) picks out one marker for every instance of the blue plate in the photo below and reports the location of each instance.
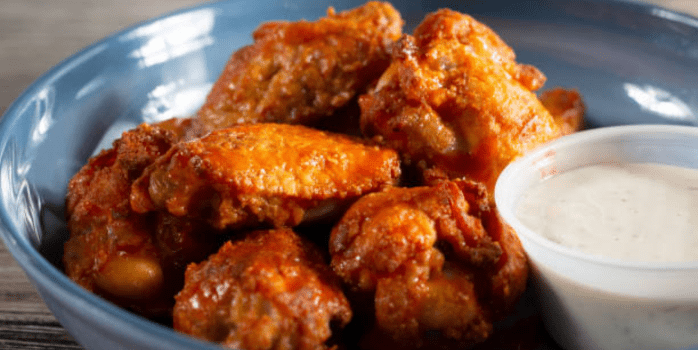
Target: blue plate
(633, 63)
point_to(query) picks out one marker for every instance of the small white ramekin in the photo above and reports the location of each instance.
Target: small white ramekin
(591, 302)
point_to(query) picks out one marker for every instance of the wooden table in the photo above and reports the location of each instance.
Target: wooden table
(34, 36)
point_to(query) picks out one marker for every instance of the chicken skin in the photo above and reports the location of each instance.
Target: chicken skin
(566, 107)
(301, 72)
(263, 174)
(272, 290)
(221, 224)
(438, 262)
(112, 251)
(454, 99)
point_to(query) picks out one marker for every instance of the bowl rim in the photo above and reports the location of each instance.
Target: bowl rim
(40, 269)
(578, 139)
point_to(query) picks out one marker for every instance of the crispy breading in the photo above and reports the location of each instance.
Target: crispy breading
(105, 233)
(566, 107)
(272, 290)
(455, 100)
(301, 72)
(274, 174)
(440, 263)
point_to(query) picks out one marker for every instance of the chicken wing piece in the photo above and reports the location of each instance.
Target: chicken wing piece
(301, 72)
(113, 251)
(272, 290)
(255, 174)
(106, 237)
(566, 107)
(439, 262)
(455, 99)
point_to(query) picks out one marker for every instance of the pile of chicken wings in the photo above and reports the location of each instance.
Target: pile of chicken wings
(334, 190)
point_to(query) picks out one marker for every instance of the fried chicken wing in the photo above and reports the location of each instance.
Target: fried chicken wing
(272, 290)
(275, 174)
(566, 107)
(301, 72)
(113, 251)
(439, 262)
(105, 235)
(455, 99)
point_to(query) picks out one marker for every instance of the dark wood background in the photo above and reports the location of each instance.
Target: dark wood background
(34, 36)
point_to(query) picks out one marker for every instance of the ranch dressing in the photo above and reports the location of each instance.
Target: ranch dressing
(631, 211)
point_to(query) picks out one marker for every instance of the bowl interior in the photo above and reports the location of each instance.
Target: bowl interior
(632, 63)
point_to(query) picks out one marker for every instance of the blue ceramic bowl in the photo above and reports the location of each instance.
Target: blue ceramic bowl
(633, 63)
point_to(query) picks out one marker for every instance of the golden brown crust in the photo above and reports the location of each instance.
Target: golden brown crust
(272, 290)
(105, 233)
(566, 107)
(455, 99)
(262, 174)
(435, 263)
(124, 256)
(440, 262)
(300, 72)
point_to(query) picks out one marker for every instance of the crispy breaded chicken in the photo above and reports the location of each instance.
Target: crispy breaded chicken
(272, 290)
(273, 174)
(455, 100)
(439, 262)
(301, 72)
(566, 107)
(113, 251)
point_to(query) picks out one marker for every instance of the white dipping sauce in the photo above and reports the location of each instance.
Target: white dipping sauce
(632, 211)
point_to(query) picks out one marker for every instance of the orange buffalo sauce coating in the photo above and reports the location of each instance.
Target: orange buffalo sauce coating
(302, 72)
(256, 174)
(272, 290)
(438, 264)
(455, 101)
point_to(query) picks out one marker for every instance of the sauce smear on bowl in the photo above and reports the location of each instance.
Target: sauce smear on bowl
(629, 211)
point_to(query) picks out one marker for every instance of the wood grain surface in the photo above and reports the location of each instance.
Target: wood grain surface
(34, 36)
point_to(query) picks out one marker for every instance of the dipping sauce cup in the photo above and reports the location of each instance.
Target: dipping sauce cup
(590, 301)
